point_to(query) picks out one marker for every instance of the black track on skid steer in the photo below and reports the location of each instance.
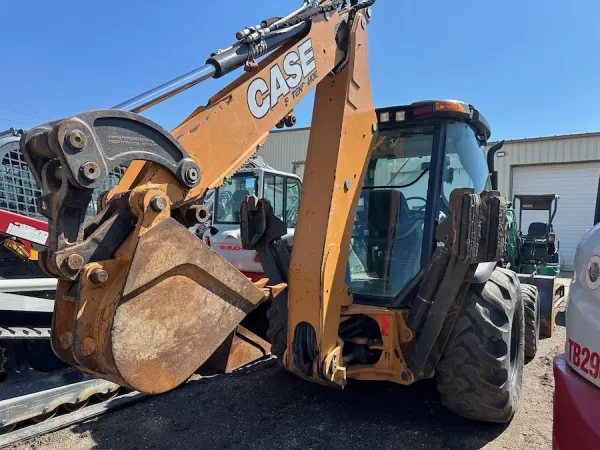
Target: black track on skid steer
(481, 370)
(533, 315)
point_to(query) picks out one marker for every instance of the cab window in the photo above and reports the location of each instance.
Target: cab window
(465, 165)
(292, 202)
(388, 229)
(229, 197)
(283, 193)
(273, 192)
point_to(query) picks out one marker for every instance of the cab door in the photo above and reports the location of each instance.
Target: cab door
(283, 193)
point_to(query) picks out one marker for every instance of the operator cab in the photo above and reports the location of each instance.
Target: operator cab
(423, 152)
(255, 178)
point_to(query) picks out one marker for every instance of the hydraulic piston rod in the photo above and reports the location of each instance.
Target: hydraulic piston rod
(217, 65)
(170, 88)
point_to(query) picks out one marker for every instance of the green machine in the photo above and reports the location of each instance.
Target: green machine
(534, 255)
(538, 248)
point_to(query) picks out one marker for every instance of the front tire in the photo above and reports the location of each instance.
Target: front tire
(480, 373)
(277, 331)
(533, 315)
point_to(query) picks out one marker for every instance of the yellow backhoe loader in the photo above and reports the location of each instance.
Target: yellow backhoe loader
(392, 275)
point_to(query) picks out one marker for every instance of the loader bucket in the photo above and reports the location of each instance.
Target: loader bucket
(552, 293)
(175, 305)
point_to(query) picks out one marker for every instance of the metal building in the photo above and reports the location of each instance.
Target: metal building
(565, 165)
(285, 150)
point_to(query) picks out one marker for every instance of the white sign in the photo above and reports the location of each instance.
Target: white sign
(30, 233)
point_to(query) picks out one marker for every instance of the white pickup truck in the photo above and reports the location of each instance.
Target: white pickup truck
(255, 178)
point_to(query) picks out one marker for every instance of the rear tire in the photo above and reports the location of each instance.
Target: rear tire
(481, 370)
(533, 315)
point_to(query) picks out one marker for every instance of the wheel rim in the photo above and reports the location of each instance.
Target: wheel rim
(514, 343)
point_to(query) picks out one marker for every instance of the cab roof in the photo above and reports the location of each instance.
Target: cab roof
(422, 111)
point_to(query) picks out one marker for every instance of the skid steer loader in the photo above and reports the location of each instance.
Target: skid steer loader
(407, 291)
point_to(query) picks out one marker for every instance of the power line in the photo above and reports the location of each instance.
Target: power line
(15, 121)
(19, 112)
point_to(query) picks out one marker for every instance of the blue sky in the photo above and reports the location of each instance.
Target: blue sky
(530, 66)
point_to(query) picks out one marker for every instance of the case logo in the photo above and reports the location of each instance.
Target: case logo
(299, 69)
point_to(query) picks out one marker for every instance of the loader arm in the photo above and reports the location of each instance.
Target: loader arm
(141, 301)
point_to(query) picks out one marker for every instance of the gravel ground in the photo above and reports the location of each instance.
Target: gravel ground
(265, 408)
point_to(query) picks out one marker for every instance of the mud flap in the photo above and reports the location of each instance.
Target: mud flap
(165, 314)
(551, 295)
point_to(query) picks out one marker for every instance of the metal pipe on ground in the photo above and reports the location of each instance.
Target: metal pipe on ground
(28, 285)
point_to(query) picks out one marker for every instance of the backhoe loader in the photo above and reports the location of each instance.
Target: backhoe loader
(408, 290)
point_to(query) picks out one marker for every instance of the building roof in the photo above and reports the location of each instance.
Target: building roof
(548, 138)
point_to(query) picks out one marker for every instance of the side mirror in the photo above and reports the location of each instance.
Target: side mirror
(213, 231)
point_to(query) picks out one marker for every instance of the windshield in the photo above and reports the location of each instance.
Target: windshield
(229, 197)
(464, 155)
(465, 165)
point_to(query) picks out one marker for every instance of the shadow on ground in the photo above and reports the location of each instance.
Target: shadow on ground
(266, 408)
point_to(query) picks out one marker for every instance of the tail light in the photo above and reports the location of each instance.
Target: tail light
(207, 240)
(256, 258)
(385, 325)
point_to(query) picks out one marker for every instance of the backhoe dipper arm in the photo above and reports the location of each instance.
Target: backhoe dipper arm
(141, 301)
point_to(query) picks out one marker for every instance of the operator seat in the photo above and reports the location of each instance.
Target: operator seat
(394, 240)
(537, 230)
(236, 201)
(536, 246)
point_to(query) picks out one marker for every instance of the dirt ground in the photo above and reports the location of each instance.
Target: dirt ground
(265, 408)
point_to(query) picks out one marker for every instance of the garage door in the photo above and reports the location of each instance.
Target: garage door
(576, 184)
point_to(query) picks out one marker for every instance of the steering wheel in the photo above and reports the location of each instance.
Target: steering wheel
(419, 208)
